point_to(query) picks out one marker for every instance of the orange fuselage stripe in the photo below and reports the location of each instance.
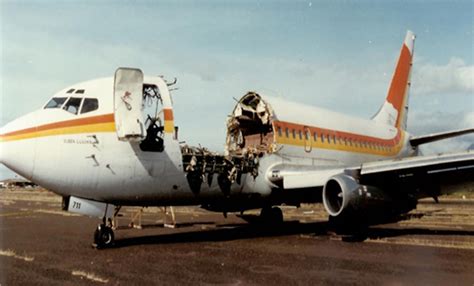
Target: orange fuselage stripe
(345, 141)
(169, 123)
(106, 118)
(100, 123)
(168, 114)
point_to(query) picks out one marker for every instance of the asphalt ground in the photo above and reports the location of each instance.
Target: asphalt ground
(42, 245)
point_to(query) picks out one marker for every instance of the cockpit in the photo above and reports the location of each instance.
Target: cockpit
(74, 103)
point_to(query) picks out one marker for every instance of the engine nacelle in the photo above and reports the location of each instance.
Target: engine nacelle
(343, 195)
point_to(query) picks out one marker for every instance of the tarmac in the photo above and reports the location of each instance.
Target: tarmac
(42, 245)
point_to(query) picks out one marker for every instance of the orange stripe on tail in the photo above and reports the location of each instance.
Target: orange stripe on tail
(394, 110)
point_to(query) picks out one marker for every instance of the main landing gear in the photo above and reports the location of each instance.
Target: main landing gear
(271, 215)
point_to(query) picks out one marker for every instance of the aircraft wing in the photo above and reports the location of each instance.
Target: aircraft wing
(440, 168)
(433, 170)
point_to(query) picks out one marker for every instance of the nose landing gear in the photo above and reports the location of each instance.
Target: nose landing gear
(103, 236)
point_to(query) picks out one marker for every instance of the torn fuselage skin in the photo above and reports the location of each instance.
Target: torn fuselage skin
(251, 152)
(203, 166)
(251, 132)
(249, 138)
(249, 128)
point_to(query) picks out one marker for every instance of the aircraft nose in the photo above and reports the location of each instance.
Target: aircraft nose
(17, 146)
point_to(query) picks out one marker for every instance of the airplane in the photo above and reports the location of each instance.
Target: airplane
(112, 142)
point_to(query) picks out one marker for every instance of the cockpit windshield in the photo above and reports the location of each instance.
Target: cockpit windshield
(72, 105)
(75, 105)
(56, 102)
(90, 104)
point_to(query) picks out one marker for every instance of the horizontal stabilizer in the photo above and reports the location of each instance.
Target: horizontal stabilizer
(418, 140)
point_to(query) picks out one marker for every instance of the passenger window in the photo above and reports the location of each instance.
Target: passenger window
(72, 105)
(315, 136)
(299, 134)
(287, 132)
(55, 102)
(294, 133)
(322, 137)
(91, 104)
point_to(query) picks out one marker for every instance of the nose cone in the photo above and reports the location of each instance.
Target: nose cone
(17, 146)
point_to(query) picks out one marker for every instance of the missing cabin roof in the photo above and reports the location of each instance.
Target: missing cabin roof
(249, 127)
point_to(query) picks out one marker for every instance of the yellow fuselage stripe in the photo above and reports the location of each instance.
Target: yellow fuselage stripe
(89, 128)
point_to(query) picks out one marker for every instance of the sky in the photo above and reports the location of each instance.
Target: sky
(338, 55)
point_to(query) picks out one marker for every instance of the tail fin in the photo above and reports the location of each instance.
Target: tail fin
(395, 108)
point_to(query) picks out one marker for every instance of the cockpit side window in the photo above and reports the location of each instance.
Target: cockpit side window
(89, 105)
(55, 102)
(72, 105)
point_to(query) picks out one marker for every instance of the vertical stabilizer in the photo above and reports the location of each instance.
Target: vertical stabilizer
(395, 108)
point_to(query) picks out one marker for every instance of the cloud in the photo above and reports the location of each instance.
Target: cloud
(454, 77)
(426, 122)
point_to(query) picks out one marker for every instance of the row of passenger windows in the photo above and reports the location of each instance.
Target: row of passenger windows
(74, 104)
(330, 139)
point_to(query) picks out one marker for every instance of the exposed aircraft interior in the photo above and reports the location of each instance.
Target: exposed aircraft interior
(249, 128)
(154, 122)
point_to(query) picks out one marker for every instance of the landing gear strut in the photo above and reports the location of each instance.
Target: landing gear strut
(104, 235)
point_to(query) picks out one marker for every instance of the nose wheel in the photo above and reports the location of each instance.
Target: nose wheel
(103, 237)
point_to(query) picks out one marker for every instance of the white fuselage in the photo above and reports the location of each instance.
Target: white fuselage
(80, 154)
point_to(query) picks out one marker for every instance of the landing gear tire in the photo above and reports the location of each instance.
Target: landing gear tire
(103, 237)
(271, 215)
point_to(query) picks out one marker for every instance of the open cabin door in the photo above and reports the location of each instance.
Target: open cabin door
(128, 104)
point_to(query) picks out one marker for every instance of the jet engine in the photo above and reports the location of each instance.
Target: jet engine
(344, 197)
